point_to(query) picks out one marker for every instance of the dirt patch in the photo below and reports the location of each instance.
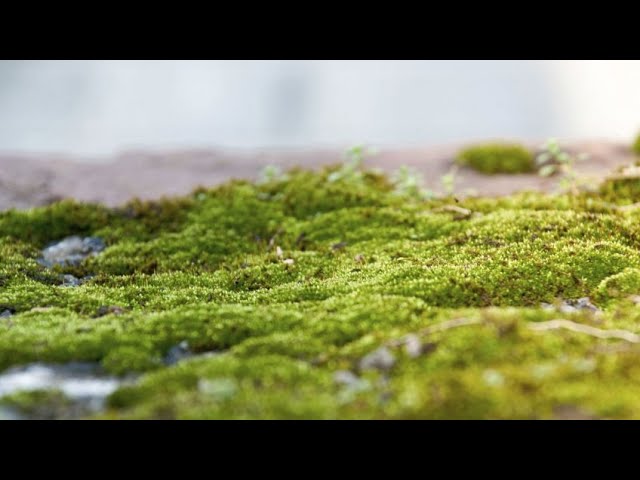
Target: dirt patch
(31, 180)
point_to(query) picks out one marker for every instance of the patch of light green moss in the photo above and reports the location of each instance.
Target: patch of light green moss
(365, 267)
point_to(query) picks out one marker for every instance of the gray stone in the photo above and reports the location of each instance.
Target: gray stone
(412, 346)
(177, 353)
(380, 359)
(567, 308)
(572, 306)
(70, 281)
(71, 251)
(6, 313)
(346, 377)
(584, 303)
(84, 384)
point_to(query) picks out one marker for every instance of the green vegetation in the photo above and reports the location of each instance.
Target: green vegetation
(623, 185)
(554, 160)
(292, 281)
(497, 158)
(39, 404)
(636, 145)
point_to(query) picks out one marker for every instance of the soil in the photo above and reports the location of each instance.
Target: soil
(34, 180)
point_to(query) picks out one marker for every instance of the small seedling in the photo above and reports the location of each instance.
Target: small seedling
(408, 183)
(448, 180)
(271, 173)
(554, 160)
(351, 167)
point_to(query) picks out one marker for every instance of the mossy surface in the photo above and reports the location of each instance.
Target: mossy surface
(622, 185)
(276, 287)
(497, 158)
(636, 145)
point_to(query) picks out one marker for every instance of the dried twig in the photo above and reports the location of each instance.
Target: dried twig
(439, 327)
(462, 213)
(627, 208)
(581, 328)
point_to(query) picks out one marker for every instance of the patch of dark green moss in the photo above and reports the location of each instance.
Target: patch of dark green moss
(287, 282)
(497, 158)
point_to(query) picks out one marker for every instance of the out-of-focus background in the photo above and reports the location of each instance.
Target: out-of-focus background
(106, 131)
(98, 108)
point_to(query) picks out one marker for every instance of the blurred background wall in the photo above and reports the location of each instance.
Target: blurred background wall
(97, 108)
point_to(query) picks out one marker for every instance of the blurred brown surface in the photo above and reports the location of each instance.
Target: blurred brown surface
(32, 180)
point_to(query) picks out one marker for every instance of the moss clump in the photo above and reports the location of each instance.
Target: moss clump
(39, 404)
(280, 288)
(623, 185)
(624, 284)
(497, 158)
(636, 145)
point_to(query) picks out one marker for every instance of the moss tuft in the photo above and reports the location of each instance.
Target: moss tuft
(622, 186)
(497, 158)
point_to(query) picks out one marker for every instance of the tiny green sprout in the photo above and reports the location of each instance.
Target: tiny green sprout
(448, 180)
(553, 159)
(351, 167)
(408, 182)
(271, 173)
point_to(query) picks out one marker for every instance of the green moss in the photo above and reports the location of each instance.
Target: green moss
(497, 158)
(39, 404)
(365, 268)
(623, 284)
(623, 186)
(636, 145)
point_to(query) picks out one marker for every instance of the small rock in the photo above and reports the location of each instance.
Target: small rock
(359, 258)
(71, 251)
(346, 377)
(84, 384)
(584, 303)
(412, 346)
(106, 310)
(571, 306)
(635, 299)
(177, 353)
(380, 359)
(6, 313)
(567, 308)
(288, 261)
(70, 281)
(279, 252)
(351, 384)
